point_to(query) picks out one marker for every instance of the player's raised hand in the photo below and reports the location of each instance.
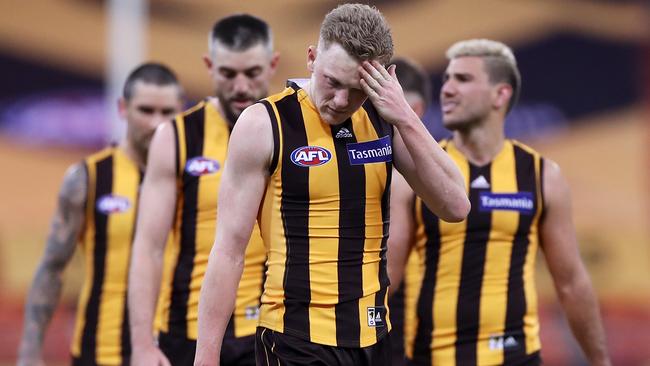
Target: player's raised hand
(385, 92)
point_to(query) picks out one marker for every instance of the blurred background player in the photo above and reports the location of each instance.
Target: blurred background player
(477, 300)
(180, 193)
(417, 90)
(313, 164)
(96, 209)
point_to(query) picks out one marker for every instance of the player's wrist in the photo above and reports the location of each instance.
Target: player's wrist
(143, 343)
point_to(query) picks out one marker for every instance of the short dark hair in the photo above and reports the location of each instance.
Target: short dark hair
(413, 78)
(240, 32)
(150, 73)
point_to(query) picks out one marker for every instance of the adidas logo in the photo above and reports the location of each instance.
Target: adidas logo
(479, 183)
(510, 342)
(499, 343)
(343, 133)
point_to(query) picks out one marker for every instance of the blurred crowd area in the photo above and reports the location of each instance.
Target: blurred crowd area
(585, 103)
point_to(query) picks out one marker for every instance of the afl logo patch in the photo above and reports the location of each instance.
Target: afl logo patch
(200, 165)
(308, 156)
(110, 204)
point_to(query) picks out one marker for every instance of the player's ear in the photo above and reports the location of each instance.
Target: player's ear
(311, 57)
(207, 61)
(275, 59)
(503, 95)
(121, 107)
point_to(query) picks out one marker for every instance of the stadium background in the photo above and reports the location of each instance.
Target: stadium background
(585, 104)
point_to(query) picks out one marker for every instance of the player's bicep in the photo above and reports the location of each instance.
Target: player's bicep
(68, 220)
(158, 193)
(244, 178)
(557, 233)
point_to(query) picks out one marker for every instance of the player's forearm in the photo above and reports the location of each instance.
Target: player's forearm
(216, 304)
(440, 180)
(41, 302)
(395, 277)
(583, 314)
(144, 287)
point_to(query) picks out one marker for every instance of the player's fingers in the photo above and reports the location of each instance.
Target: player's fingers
(370, 92)
(391, 71)
(382, 70)
(369, 79)
(374, 72)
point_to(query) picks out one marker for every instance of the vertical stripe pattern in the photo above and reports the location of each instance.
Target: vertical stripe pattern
(471, 278)
(294, 208)
(325, 227)
(477, 303)
(201, 138)
(102, 330)
(104, 185)
(331, 248)
(423, 334)
(516, 305)
(352, 186)
(194, 125)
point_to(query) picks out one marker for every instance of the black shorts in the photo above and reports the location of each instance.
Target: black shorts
(234, 351)
(274, 348)
(396, 306)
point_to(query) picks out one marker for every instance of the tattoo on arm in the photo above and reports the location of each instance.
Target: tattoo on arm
(65, 229)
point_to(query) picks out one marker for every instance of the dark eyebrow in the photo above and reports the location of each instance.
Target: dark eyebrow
(167, 110)
(463, 76)
(233, 71)
(227, 69)
(254, 68)
(146, 109)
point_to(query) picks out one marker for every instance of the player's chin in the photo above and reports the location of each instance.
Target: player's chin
(238, 106)
(331, 119)
(451, 123)
(144, 143)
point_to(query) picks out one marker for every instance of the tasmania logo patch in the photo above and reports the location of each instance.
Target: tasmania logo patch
(200, 165)
(309, 156)
(375, 151)
(521, 201)
(111, 204)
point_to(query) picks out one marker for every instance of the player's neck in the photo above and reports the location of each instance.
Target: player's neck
(132, 152)
(217, 104)
(480, 143)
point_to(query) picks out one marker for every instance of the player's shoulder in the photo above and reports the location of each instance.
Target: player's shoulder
(75, 181)
(549, 164)
(292, 89)
(254, 117)
(525, 147)
(102, 154)
(193, 110)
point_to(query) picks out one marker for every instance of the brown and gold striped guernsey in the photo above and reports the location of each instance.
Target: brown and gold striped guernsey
(324, 221)
(477, 303)
(101, 335)
(201, 136)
